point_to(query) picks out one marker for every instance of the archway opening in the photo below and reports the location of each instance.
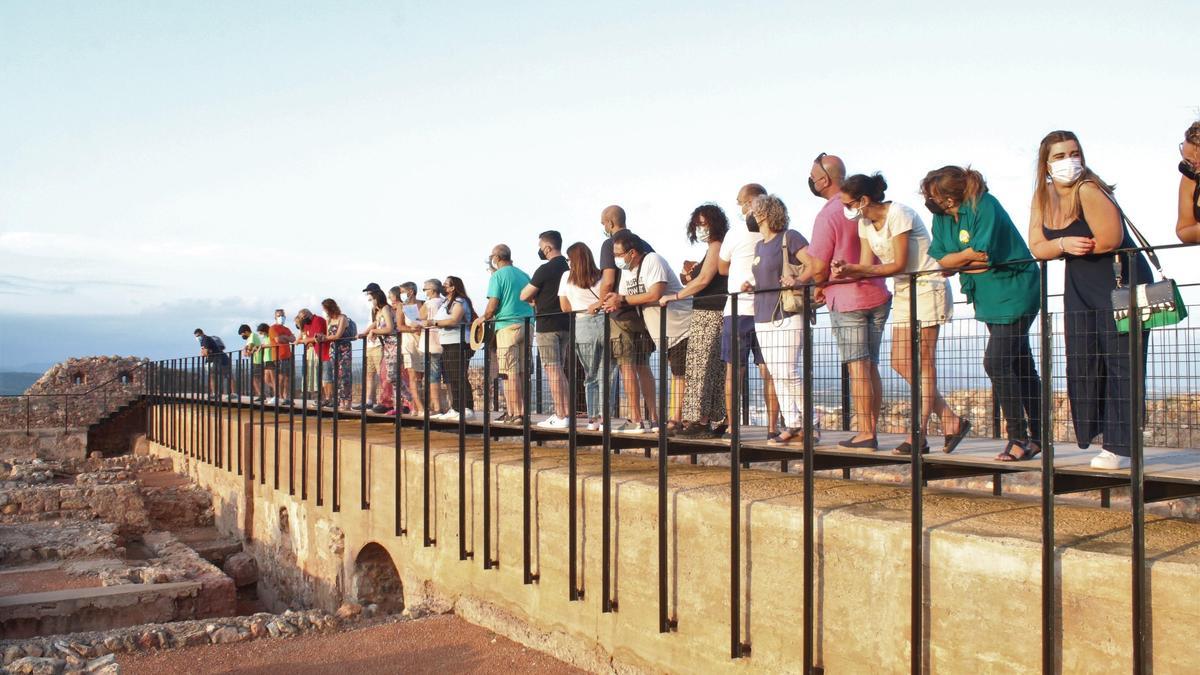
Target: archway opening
(377, 581)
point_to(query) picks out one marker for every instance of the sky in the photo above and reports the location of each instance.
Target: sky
(168, 165)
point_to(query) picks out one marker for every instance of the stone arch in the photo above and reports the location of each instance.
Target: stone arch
(377, 581)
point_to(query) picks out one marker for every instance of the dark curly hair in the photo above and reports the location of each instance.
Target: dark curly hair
(718, 224)
(860, 185)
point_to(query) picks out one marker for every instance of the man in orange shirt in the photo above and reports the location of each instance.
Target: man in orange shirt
(279, 344)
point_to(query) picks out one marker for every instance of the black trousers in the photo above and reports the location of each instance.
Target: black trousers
(1099, 379)
(456, 357)
(1008, 361)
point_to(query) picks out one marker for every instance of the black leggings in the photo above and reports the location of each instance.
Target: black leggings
(456, 357)
(1009, 362)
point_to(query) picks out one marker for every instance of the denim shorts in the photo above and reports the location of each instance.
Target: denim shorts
(747, 340)
(435, 374)
(860, 332)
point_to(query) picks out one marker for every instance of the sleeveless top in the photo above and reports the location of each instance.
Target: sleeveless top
(717, 289)
(1090, 278)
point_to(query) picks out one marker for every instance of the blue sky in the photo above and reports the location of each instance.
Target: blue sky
(174, 164)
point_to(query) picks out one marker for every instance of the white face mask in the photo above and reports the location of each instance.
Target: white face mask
(622, 264)
(404, 297)
(702, 234)
(1066, 170)
(280, 319)
(851, 214)
(198, 338)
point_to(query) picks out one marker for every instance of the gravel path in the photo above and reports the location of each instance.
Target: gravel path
(438, 644)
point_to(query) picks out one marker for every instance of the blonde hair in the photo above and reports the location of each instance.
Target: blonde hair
(770, 211)
(1042, 186)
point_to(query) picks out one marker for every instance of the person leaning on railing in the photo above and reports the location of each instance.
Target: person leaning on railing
(552, 325)
(704, 392)
(435, 295)
(778, 329)
(645, 278)
(972, 230)
(1074, 216)
(374, 355)
(407, 310)
(311, 327)
(858, 310)
(1187, 226)
(253, 350)
(895, 234)
(383, 332)
(213, 351)
(509, 311)
(268, 362)
(578, 291)
(457, 311)
(280, 339)
(339, 335)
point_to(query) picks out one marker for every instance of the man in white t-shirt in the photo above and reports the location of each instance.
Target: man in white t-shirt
(645, 278)
(737, 261)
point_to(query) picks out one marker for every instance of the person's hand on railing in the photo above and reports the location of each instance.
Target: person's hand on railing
(596, 307)
(667, 299)
(747, 287)
(613, 301)
(1076, 245)
(818, 296)
(840, 269)
(788, 281)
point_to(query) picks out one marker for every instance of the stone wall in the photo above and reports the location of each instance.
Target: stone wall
(109, 382)
(120, 504)
(981, 576)
(54, 444)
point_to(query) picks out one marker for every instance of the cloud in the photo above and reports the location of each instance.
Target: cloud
(12, 284)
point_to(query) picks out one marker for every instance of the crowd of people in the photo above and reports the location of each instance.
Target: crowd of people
(747, 285)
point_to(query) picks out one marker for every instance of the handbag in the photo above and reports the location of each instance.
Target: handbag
(791, 300)
(1159, 302)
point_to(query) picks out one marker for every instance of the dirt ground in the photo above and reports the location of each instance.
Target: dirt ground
(39, 581)
(437, 644)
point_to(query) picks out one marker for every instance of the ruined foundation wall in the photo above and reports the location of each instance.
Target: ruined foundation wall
(981, 579)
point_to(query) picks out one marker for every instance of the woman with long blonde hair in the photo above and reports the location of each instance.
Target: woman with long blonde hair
(1075, 217)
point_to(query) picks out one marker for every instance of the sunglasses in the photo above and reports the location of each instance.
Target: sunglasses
(820, 166)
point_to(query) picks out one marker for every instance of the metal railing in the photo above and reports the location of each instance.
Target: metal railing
(177, 385)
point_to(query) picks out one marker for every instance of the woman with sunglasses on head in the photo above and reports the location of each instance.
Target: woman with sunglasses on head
(972, 230)
(1187, 226)
(895, 234)
(1074, 216)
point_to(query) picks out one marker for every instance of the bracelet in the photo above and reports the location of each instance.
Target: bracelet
(1060, 245)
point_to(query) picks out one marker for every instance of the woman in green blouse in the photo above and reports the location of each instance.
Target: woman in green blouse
(971, 228)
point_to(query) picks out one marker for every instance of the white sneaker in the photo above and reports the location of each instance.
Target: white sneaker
(549, 422)
(556, 422)
(594, 426)
(450, 414)
(468, 414)
(270, 401)
(1108, 460)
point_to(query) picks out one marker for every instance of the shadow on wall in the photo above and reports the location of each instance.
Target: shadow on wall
(376, 580)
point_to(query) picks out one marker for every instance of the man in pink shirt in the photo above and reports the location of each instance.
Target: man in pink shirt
(858, 309)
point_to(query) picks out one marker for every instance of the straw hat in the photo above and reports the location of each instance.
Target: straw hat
(478, 332)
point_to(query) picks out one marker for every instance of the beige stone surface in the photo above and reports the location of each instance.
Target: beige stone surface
(982, 573)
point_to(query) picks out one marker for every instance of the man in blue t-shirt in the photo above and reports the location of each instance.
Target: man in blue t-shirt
(213, 351)
(509, 311)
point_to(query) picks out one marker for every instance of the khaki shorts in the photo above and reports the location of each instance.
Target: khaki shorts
(935, 303)
(510, 349)
(630, 349)
(374, 358)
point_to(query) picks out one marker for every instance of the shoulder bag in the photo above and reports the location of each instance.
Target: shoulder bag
(1159, 302)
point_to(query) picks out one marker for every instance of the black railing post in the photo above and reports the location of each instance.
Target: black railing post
(572, 464)
(488, 393)
(320, 458)
(275, 390)
(464, 365)
(304, 385)
(364, 494)
(526, 459)
(918, 479)
(397, 441)
(1049, 576)
(336, 442)
(291, 399)
(427, 540)
(735, 497)
(606, 601)
(537, 369)
(845, 391)
(262, 421)
(240, 384)
(665, 624)
(995, 414)
(1141, 661)
(250, 432)
(810, 538)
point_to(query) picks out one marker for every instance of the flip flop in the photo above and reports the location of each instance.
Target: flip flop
(871, 443)
(905, 448)
(952, 440)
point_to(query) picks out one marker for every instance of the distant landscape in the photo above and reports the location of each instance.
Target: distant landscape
(16, 382)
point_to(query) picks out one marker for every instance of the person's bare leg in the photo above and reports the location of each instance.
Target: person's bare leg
(646, 384)
(558, 390)
(414, 385)
(862, 393)
(677, 390)
(931, 396)
(772, 399)
(629, 376)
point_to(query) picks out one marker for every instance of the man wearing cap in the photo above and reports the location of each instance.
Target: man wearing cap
(374, 354)
(553, 326)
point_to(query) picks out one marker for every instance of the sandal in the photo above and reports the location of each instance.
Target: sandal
(871, 443)
(905, 448)
(719, 430)
(952, 440)
(1008, 456)
(791, 433)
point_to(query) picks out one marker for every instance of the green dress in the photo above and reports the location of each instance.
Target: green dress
(1000, 295)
